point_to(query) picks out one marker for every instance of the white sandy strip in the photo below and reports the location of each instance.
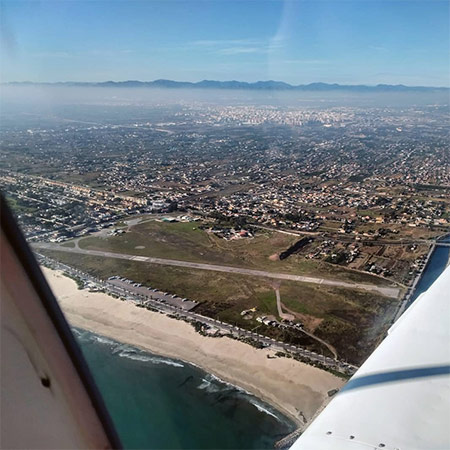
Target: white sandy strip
(288, 385)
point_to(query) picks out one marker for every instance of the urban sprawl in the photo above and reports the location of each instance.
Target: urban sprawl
(353, 194)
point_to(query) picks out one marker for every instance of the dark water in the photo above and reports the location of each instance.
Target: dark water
(160, 403)
(434, 268)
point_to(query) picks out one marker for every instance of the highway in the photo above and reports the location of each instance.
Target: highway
(386, 291)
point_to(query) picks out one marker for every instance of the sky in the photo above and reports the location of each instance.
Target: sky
(299, 42)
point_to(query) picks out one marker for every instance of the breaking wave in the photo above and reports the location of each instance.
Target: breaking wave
(76, 333)
(263, 408)
(102, 340)
(147, 358)
(212, 384)
(124, 350)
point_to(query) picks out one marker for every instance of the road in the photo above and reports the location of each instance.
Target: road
(387, 291)
(280, 309)
(300, 233)
(237, 332)
(291, 316)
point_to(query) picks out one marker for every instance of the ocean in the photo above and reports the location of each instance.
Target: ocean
(162, 403)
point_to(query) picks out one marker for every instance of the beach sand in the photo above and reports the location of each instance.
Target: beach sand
(292, 387)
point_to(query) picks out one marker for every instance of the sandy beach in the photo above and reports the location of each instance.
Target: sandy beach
(292, 387)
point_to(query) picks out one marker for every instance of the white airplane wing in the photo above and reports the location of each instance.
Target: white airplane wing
(400, 397)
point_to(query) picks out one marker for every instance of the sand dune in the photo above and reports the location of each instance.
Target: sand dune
(292, 387)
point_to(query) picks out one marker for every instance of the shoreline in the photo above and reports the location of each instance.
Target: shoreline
(291, 387)
(274, 412)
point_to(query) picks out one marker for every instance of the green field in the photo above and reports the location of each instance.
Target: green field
(187, 242)
(68, 244)
(350, 320)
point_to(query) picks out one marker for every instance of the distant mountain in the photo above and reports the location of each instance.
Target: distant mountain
(243, 85)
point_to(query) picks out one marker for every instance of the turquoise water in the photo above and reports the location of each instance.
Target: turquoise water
(161, 403)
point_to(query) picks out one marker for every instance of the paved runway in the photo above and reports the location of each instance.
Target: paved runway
(387, 291)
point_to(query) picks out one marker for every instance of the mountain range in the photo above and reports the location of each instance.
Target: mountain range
(243, 85)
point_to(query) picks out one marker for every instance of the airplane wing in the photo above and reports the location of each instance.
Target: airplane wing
(400, 397)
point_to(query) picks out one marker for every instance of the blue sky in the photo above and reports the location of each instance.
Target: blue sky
(347, 42)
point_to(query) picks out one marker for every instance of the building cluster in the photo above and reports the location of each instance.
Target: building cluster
(340, 170)
(56, 211)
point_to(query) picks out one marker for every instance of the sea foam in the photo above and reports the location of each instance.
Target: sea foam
(263, 409)
(103, 340)
(147, 358)
(213, 384)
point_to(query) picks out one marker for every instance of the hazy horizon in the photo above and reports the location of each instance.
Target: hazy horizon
(250, 82)
(49, 97)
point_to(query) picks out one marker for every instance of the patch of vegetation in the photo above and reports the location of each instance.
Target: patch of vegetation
(148, 307)
(356, 331)
(268, 303)
(77, 280)
(198, 326)
(432, 187)
(317, 364)
(357, 178)
(19, 206)
(254, 343)
(68, 244)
